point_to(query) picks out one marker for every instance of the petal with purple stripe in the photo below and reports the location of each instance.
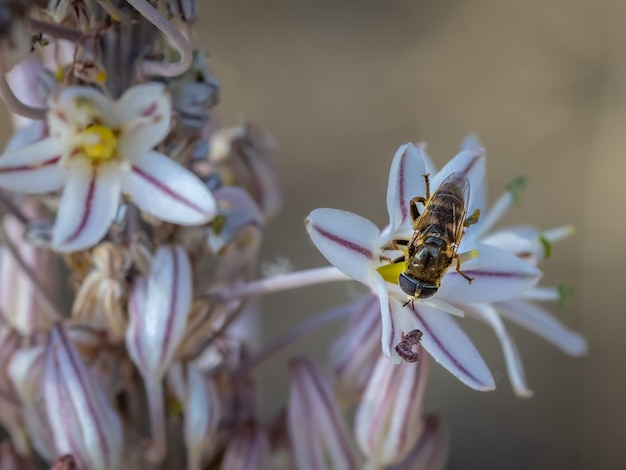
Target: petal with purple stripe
(348, 241)
(146, 112)
(514, 365)
(34, 168)
(78, 410)
(166, 308)
(471, 162)
(496, 275)
(388, 420)
(88, 205)
(164, 189)
(319, 435)
(541, 322)
(406, 181)
(448, 345)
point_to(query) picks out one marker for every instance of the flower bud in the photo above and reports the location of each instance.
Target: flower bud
(84, 422)
(319, 435)
(388, 420)
(158, 307)
(248, 449)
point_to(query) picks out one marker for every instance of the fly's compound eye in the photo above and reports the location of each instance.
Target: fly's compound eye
(407, 284)
(416, 288)
(426, 291)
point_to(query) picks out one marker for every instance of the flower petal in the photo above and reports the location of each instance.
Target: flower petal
(348, 241)
(496, 275)
(33, 168)
(448, 344)
(166, 190)
(145, 112)
(471, 162)
(74, 108)
(88, 205)
(406, 181)
(514, 365)
(544, 324)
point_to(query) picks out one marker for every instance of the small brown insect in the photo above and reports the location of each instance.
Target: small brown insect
(437, 233)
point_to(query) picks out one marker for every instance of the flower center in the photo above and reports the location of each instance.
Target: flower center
(98, 143)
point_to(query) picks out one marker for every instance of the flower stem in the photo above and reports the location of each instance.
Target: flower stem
(15, 105)
(158, 446)
(302, 329)
(55, 30)
(282, 282)
(171, 69)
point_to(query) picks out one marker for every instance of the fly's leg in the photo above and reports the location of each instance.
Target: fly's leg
(415, 213)
(458, 269)
(396, 244)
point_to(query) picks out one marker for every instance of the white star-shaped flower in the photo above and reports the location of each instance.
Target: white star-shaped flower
(358, 248)
(99, 149)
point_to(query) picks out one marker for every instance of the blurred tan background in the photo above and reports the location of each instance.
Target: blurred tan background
(342, 84)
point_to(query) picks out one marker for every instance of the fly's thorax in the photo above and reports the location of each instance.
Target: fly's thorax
(429, 259)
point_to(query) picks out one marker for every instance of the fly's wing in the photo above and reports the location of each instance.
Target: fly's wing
(445, 211)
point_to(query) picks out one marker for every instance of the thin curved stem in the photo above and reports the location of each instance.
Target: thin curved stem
(16, 105)
(304, 328)
(56, 31)
(282, 282)
(168, 69)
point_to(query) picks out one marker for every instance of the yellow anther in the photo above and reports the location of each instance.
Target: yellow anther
(391, 272)
(98, 142)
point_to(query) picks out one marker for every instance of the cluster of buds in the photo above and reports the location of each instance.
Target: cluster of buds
(130, 235)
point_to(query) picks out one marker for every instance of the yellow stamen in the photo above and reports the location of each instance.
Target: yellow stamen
(391, 272)
(98, 142)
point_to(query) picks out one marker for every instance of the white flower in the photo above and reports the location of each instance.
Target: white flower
(532, 246)
(99, 149)
(358, 248)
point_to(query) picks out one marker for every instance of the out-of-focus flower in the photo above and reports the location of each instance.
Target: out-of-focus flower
(244, 156)
(26, 369)
(100, 300)
(19, 301)
(359, 249)
(388, 420)
(159, 307)
(431, 450)
(84, 422)
(248, 449)
(99, 149)
(317, 430)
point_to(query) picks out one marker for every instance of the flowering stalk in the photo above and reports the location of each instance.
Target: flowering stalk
(119, 170)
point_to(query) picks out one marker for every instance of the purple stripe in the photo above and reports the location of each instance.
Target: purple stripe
(472, 162)
(80, 372)
(165, 189)
(501, 274)
(401, 189)
(87, 208)
(343, 242)
(34, 166)
(324, 393)
(429, 332)
(171, 308)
